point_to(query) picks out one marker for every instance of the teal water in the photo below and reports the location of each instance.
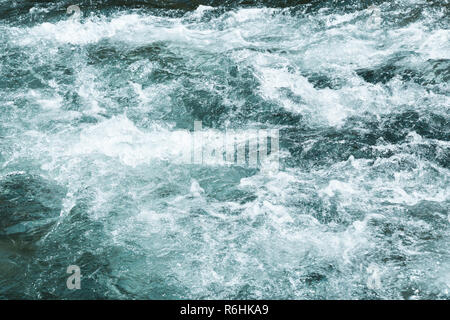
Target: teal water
(89, 173)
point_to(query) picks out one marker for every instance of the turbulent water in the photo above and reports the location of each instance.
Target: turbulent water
(89, 174)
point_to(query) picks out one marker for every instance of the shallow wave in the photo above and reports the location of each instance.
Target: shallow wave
(88, 151)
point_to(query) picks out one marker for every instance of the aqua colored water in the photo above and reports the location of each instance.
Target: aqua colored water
(90, 173)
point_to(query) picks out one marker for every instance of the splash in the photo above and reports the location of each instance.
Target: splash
(96, 115)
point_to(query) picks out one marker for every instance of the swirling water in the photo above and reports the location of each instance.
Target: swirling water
(88, 177)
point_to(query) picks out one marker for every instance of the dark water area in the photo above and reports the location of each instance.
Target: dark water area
(91, 173)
